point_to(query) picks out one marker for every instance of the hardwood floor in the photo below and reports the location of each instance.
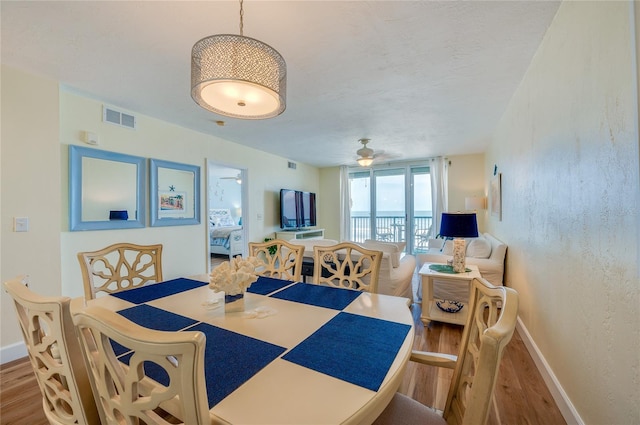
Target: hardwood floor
(20, 397)
(521, 396)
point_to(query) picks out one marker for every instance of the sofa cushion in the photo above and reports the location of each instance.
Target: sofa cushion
(310, 243)
(478, 248)
(447, 249)
(491, 268)
(391, 248)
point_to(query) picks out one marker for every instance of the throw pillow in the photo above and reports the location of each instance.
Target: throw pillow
(448, 247)
(386, 247)
(226, 221)
(478, 248)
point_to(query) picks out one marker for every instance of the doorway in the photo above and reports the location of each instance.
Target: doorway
(226, 210)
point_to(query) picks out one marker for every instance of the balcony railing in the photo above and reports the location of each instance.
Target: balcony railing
(389, 228)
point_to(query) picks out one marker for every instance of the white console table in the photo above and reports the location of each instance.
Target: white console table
(300, 234)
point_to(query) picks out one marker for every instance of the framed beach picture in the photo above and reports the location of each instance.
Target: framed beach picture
(175, 193)
(495, 196)
(172, 201)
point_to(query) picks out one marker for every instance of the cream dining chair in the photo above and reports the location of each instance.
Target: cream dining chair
(493, 312)
(279, 259)
(55, 355)
(119, 267)
(347, 265)
(127, 395)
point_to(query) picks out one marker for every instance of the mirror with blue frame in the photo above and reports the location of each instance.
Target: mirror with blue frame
(106, 190)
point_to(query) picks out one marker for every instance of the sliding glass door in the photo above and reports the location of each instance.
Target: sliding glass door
(421, 216)
(390, 212)
(392, 204)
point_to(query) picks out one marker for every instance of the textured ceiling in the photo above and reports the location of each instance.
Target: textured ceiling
(420, 79)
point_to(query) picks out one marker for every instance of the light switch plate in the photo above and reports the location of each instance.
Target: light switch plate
(20, 224)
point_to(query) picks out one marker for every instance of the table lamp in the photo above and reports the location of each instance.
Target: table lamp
(457, 226)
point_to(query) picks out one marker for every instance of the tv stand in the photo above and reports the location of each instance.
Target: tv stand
(288, 235)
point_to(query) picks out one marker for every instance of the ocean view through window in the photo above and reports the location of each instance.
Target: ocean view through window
(392, 204)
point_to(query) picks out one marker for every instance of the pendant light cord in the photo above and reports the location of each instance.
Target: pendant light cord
(241, 18)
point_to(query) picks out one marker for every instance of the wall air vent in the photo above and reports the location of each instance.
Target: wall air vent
(116, 117)
(292, 165)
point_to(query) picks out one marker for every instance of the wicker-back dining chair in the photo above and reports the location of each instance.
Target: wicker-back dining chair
(347, 265)
(177, 391)
(279, 259)
(119, 267)
(55, 355)
(493, 312)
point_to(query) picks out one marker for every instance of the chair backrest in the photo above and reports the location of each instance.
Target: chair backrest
(279, 259)
(493, 312)
(347, 265)
(55, 355)
(119, 267)
(127, 394)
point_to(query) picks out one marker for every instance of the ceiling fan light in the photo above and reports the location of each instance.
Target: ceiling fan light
(238, 77)
(365, 153)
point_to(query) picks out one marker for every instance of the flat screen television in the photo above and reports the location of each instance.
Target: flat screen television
(297, 209)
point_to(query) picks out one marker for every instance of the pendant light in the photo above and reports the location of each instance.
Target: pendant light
(238, 76)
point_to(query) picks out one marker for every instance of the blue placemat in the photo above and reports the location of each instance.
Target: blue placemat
(353, 348)
(156, 318)
(231, 359)
(118, 349)
(158, 290)
(318, 295)
(151, 369)
(266, 285)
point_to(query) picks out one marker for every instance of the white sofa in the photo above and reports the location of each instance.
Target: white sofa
(489, 258)
(396, 270)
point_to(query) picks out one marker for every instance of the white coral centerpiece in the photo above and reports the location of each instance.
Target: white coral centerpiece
(234, 277)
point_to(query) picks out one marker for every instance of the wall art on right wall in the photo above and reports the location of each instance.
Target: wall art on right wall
(495, 196)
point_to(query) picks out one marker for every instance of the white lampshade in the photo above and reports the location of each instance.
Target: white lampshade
(473, 203)
(365, 162)
(239, 77)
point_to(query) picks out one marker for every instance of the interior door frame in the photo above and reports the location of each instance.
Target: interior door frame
(244, 175)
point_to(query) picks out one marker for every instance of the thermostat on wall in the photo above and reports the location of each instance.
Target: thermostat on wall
(90, 138)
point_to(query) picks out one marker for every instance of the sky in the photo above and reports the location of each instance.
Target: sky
(390, 193)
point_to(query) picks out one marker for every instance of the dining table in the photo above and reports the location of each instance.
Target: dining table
(298, 353)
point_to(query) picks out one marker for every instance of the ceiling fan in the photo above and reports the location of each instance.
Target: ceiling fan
(366, 154)
(237, 178)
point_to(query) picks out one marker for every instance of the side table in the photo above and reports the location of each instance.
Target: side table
(430, 311)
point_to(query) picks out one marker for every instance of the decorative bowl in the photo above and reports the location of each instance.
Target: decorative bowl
(449, 306)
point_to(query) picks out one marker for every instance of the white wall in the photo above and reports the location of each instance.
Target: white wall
(39, 122)
(467, 178)
(328, 202)
(225, 193)
(567, 148)
(30, 188)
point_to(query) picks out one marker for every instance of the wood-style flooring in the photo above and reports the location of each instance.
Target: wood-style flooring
(521, 396)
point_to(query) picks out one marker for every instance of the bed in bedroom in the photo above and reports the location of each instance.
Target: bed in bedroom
(225, 236)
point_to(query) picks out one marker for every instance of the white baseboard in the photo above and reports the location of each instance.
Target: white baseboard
(13, 352)
(567, 409)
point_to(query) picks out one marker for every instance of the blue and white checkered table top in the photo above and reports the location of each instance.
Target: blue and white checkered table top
(324, 355)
